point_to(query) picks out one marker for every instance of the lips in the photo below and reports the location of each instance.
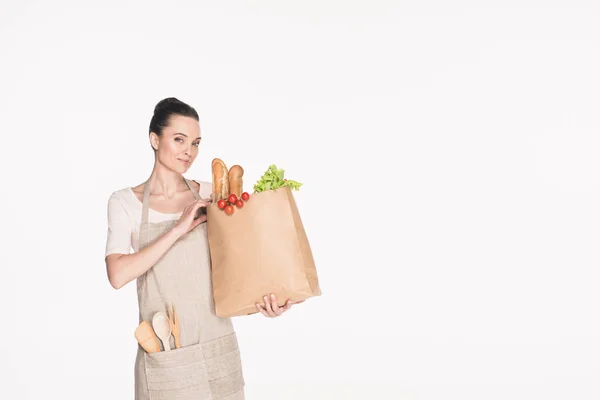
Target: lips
(185, 162)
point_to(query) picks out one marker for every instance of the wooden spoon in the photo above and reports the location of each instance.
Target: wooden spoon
(162, 327)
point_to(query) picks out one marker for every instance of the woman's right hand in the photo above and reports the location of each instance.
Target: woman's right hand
(187, 222)
(124, 268)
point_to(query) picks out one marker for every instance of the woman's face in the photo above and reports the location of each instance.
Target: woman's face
(177, 147)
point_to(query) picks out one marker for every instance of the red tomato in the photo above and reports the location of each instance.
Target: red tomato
(222, 203)
(239, 203)
(232, 198)
(228, 210)
(245, 196)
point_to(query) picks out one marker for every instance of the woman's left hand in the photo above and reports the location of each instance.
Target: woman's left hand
(271, 308)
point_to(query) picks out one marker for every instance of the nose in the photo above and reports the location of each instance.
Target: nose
(189, 150)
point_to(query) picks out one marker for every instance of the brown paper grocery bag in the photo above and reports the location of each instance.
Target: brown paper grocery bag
(261, 248)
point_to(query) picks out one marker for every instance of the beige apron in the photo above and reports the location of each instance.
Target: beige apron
(208, 365)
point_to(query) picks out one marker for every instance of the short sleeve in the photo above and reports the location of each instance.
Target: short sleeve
(118, 238)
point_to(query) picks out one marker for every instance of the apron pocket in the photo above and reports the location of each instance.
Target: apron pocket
(208, 370)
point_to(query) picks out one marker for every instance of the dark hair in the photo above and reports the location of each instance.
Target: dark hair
(165, 109)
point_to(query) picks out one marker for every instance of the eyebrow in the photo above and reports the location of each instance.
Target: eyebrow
(183, 134)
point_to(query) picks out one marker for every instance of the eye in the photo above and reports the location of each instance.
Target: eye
(197, 144)
(178, 139)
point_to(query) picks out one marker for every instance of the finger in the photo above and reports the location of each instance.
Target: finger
(193, 207)
(268, 307)
(286, 306)
(194, 224)
(197, 205)
(276, 309)
(204, 202)
(198, 221)
(274, 302)
(262, 310)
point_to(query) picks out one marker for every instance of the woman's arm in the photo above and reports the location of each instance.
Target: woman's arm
(124, 268)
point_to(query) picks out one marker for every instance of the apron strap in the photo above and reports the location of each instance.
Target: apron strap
(196, 194)
(146, 202)
(146, 199)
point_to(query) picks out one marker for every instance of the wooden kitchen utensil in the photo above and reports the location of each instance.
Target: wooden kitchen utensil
(174, 320)
(162, 327)
(146, 337)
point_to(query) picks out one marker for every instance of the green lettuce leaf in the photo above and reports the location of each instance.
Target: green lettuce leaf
(273, 178)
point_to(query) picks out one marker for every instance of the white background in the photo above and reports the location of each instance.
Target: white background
(449, 154)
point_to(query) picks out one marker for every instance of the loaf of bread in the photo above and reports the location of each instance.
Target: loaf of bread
(236, 184)
(146, 337)
(220, 180)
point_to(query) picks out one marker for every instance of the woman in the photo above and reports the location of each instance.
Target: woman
(171, 264)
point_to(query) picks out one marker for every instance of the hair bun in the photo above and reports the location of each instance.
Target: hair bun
(165, 109)
(165, 103)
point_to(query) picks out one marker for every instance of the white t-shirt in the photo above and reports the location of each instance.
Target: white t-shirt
(125, 218)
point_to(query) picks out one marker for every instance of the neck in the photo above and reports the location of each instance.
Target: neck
(165, 182)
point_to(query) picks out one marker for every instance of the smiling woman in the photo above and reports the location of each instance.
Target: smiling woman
(172, 277)
(151, 218)
(176, 125)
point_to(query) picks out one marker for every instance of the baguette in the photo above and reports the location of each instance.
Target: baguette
(220, 180)
(236, 183)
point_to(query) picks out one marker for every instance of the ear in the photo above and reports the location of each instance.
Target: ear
(154, 140)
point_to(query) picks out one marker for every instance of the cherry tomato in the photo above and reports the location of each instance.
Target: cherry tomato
(228, 210)
(239, 203)
(245, 196)
(222, 203)
(232, 198)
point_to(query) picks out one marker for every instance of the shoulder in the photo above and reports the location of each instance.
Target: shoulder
(120, 194)
(202, 187)
(121, 198)
(198, 182)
